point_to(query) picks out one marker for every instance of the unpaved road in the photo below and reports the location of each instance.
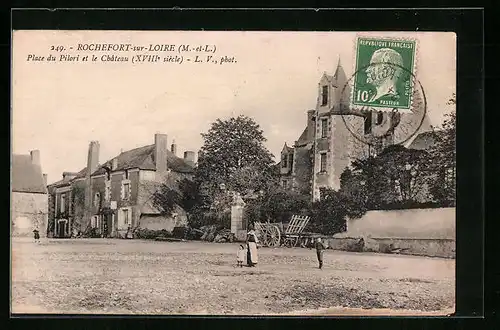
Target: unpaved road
(147, 277)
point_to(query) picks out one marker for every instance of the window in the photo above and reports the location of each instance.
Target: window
(368, 123)
(97, 199)
(380, 118)
(290, 160)
(126, 190)
(126, 174)
(284, 161)
(324, 128)
(126, 219)
(93, 222)
(107, 191)
(322, 162)
(324, 96)
(285, 184)
(63, 203)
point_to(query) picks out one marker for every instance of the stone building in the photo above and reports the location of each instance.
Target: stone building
(114, 197)
(29, 199)
(327, 146)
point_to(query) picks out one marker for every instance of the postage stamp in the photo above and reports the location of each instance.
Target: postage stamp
(383, 69)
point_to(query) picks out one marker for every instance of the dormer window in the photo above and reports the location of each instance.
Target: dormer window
(284, 161)
(324, 95)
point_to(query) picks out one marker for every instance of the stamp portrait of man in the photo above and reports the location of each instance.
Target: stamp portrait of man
(383, 73)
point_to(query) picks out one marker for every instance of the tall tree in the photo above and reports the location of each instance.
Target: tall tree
(442, 158)
(234, 154)
(396, 175)
(330, 213)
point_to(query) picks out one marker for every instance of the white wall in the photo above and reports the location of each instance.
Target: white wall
(414, 223)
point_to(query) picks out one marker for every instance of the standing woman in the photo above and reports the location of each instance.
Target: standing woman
(252, 257)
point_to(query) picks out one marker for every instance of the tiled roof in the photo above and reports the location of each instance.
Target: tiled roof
(143, 158)
(26, 176)
(425, 140)
(303, 138)
(58, 183)
(82, 173)
(286, 148)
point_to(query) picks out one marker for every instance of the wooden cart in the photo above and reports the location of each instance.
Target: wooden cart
(293, 232)
(268, 233)
(275, 234)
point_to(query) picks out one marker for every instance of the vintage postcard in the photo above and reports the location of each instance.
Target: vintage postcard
(233, 173)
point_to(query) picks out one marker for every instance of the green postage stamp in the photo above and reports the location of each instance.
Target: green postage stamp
(384, 73)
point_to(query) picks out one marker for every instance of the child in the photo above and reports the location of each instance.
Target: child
(36, 234)
(320, 247)
(240, 256)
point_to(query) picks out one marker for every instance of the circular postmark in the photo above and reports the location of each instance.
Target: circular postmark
(374, 116)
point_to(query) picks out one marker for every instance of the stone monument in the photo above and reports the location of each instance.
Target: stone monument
(237, 207)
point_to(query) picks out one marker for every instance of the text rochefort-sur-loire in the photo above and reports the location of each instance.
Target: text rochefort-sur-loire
(125, 47)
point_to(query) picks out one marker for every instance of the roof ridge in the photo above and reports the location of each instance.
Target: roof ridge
(134, 149)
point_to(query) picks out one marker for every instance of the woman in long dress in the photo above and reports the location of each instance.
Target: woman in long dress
(252, 256)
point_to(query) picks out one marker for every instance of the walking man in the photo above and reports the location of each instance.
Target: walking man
(320, 247)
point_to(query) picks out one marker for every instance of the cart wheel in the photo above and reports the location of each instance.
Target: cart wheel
(272, 236)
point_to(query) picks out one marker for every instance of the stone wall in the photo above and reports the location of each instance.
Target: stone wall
(303, 169)
(426, 232)
(159, 222)
(410, 223)
(29, 211)
(444, 248)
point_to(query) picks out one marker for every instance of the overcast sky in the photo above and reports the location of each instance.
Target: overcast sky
(59, 107)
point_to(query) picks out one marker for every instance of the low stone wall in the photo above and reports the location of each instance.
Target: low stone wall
(432, 247)
(344, 244)
(444, 248)
(436, 223)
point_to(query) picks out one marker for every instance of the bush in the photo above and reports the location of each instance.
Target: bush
(180, 232)
(92, 233)
(143, 233)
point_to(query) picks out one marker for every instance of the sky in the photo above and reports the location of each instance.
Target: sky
(59, 107)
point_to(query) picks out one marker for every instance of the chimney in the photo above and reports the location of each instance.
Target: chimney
(311, 124)
(161, 147)
(93, 157)
(173, 148)
(189, 157)
(45, 179)
(69, 175)
(92, 164)
(114, 164)
(35, 157)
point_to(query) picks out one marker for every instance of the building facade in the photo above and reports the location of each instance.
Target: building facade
(114, 198)
(29, 198)
(327, 145)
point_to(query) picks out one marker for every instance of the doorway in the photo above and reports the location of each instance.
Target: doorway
(106, 225)
(62, 228)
